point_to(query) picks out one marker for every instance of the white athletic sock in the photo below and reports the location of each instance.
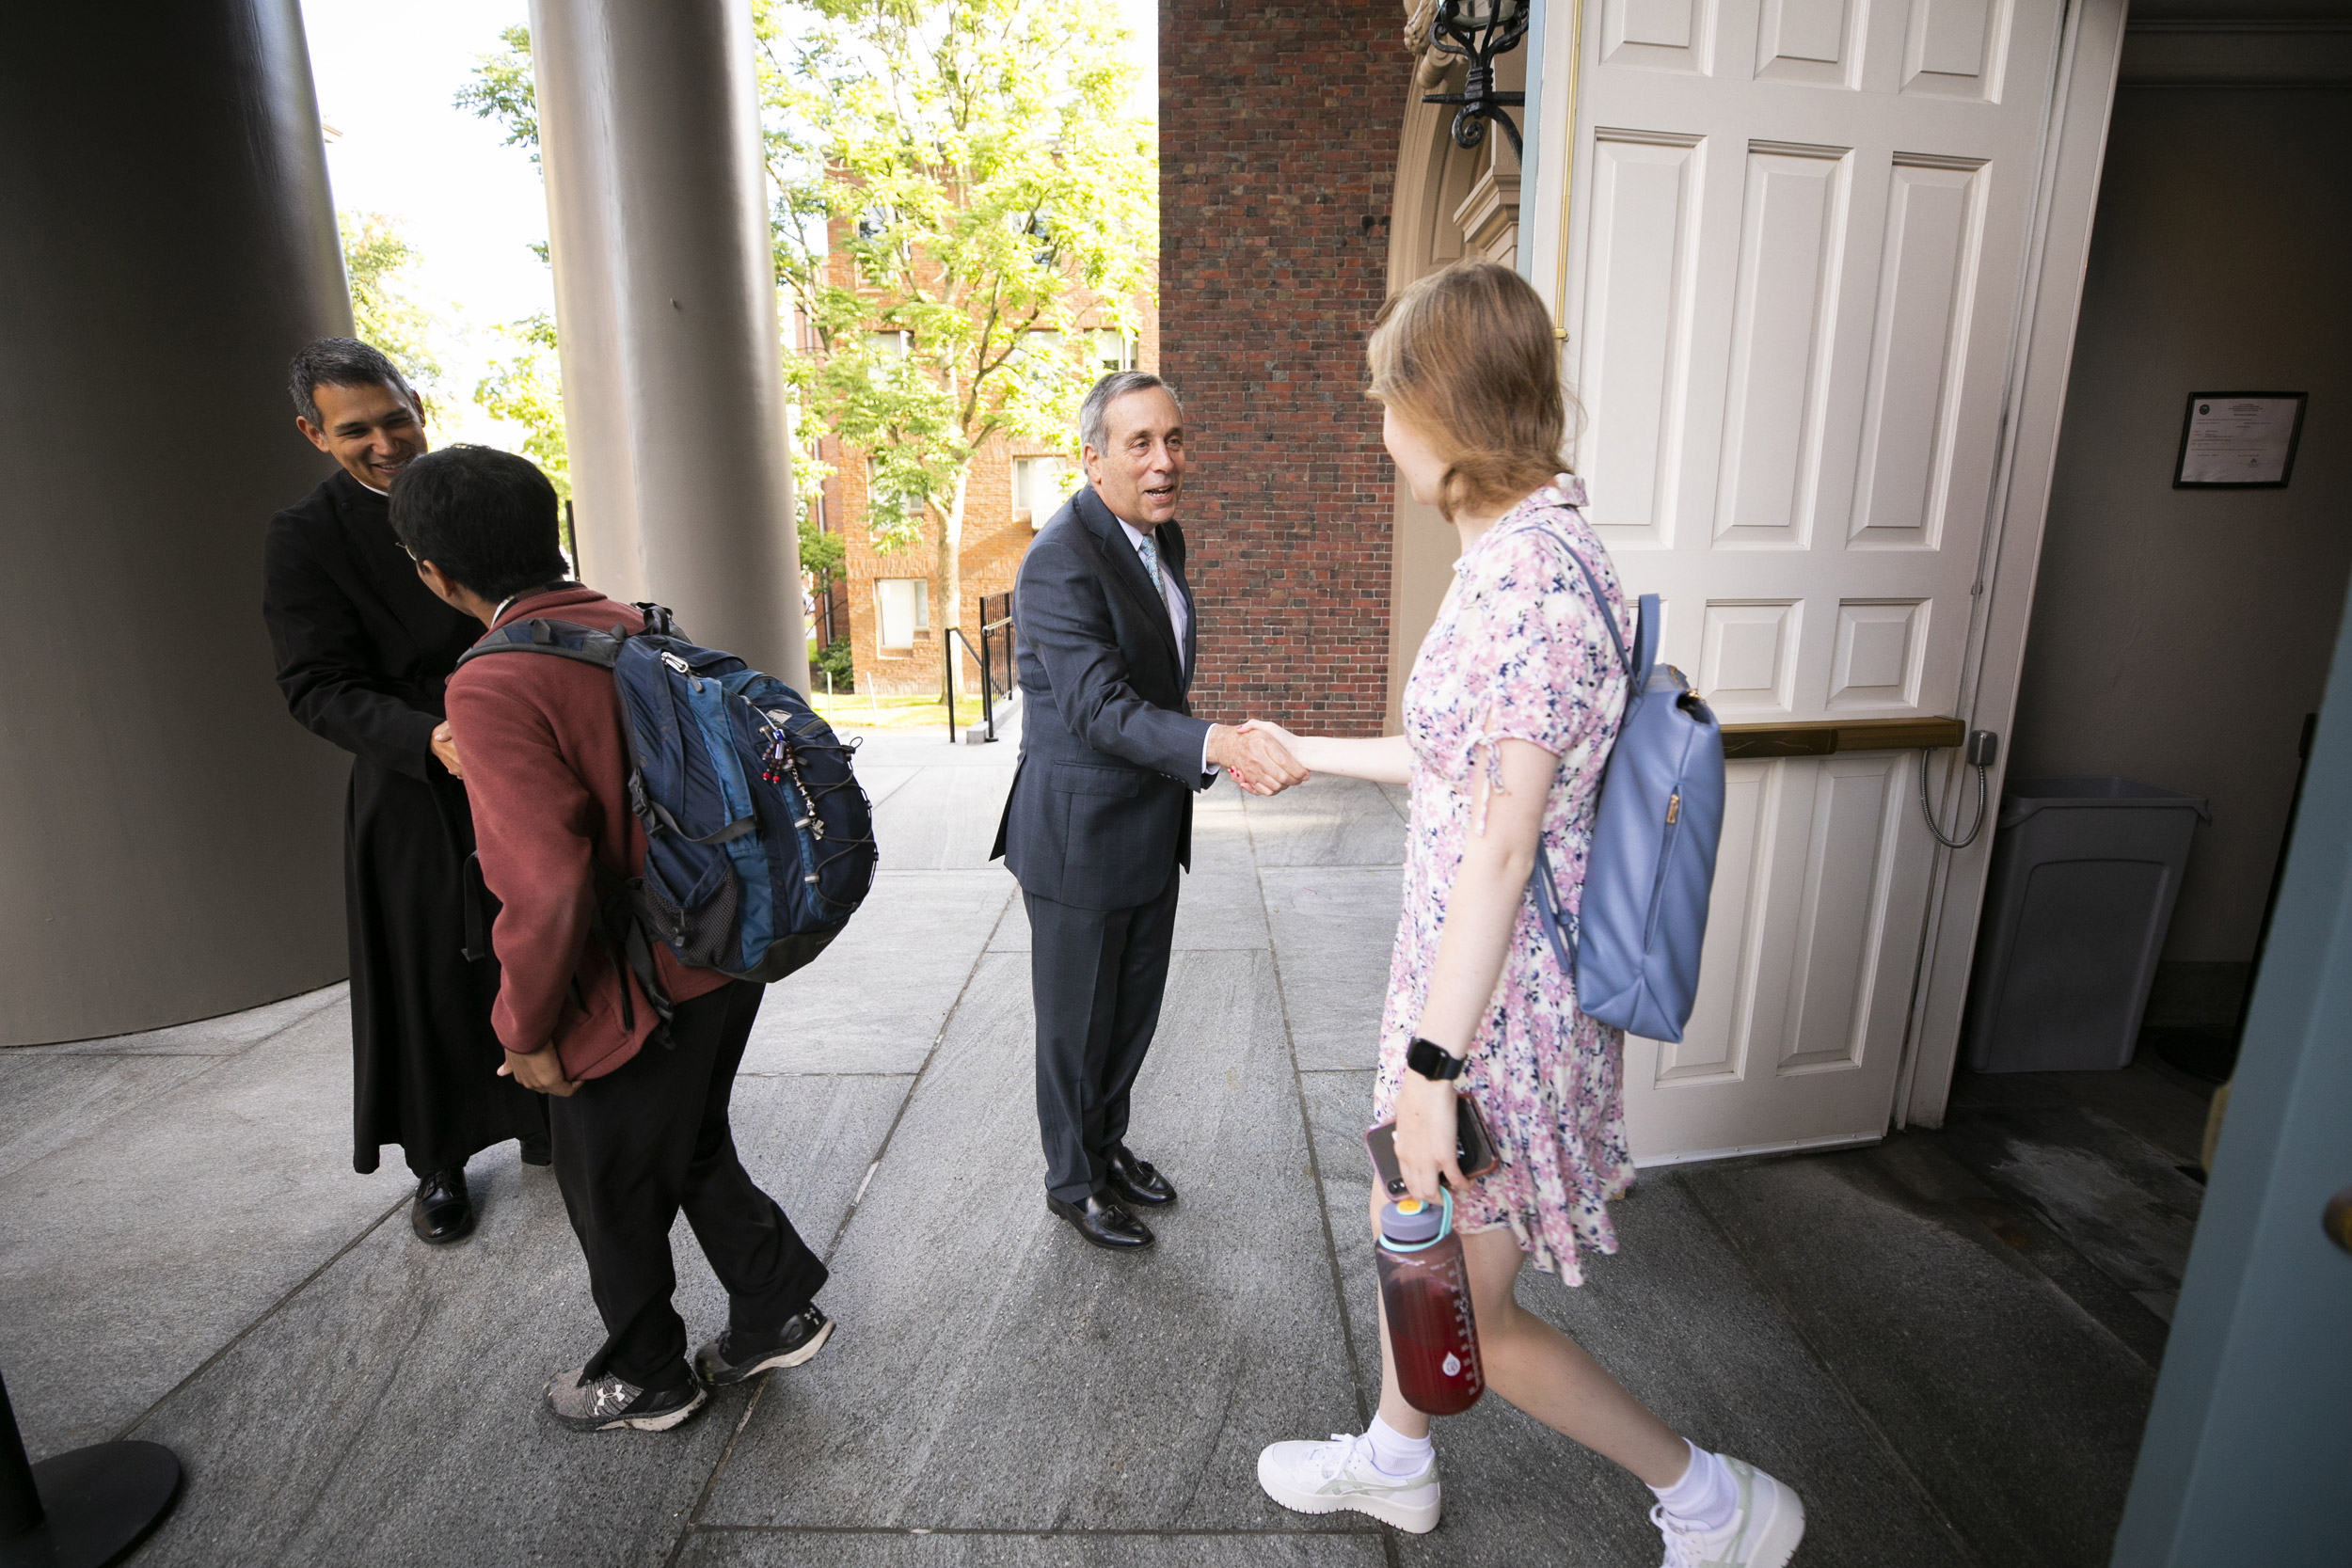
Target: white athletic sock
(1395, 1455)
(1706, 1496)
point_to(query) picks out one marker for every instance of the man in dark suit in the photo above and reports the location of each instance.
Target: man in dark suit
(363, 650)
(1100, 816)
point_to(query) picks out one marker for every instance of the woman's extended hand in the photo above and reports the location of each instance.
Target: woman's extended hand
(1425, 1136)
(1288, 741)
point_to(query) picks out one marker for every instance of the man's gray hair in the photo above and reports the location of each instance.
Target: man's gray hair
(1095, 410)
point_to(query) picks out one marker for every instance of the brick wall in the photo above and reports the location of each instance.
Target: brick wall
(1279, 132)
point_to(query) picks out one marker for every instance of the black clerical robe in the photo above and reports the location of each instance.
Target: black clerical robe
(363, 650)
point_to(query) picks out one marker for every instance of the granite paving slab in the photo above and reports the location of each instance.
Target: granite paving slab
(1677, 1319)
(2160, 1105)
(158, 1234)
(874, 1001)
(390, 1412)
(1921, 1161)
(224, 1036)
(748, 1548)
(880, 782)
(2016, 1412)
(1326, 821)
(942, 818)
(48, 1099)
(2119, 1199)
(1334, 928)
(997, 1373)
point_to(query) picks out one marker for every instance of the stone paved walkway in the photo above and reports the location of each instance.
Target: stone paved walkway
(186, 1256)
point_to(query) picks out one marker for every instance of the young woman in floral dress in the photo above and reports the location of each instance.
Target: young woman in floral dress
(1509, 717)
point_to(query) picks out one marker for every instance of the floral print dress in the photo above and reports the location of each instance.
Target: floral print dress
(1519, 651)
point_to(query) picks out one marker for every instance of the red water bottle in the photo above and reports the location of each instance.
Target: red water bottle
(1425, 1293)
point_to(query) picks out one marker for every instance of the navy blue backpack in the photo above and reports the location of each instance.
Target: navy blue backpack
(759, 843)
(1633, 944)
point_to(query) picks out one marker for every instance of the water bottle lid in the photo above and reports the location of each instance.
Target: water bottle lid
(1409, 1221)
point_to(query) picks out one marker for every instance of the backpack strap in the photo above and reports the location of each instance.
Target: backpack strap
(1558, 925)
(1645, 636)
(536, 636)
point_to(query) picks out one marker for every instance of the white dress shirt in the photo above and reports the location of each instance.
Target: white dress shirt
(1179, 614)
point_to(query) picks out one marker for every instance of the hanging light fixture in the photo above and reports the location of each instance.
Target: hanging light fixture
(1477, 31)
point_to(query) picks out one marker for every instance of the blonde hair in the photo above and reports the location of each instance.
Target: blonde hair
(1467, 356)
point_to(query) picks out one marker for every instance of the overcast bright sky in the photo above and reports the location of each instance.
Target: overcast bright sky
(472, 208)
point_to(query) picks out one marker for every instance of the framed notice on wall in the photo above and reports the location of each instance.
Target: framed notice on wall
(2238, 440)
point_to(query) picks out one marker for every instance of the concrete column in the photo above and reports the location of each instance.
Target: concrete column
(170, 842)
(666, 311)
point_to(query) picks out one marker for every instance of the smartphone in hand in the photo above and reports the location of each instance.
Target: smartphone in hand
(1473, 1148)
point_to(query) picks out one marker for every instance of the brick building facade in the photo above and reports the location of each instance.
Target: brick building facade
(1278, 134)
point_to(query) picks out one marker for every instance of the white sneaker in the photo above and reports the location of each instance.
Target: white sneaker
(1763, 1532)
(1324, 1478)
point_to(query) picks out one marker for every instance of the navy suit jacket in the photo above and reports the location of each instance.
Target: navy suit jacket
(1100, 811)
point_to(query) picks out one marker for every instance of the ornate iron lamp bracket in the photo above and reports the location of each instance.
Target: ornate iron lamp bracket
(1476, 31)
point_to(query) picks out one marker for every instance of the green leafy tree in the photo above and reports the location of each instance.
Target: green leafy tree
(527, 389)
(502, 90)
(383, 312)
(980, 167)
(957, 182)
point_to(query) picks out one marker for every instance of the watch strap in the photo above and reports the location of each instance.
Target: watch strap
(1433, 1061)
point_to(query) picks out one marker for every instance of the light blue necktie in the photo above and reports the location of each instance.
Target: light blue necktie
(1149, 549)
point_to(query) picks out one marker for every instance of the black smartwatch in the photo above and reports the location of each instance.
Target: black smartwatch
(1433, 1061)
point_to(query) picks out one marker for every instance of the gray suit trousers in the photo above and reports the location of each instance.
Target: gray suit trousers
(1097, 976)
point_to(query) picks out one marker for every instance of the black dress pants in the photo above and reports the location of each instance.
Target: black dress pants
(638, 1145)
(1097, 977)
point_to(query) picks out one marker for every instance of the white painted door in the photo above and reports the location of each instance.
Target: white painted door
(1795, 256)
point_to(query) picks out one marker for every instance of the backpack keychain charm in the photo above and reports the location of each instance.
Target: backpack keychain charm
(776, 761)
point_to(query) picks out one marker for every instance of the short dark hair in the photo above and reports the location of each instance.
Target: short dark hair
(341, 362)
(485, 518)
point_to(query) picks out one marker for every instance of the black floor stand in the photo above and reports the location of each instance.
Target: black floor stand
(83, 1509)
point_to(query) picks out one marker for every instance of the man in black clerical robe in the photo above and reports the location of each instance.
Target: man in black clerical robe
(363, 649)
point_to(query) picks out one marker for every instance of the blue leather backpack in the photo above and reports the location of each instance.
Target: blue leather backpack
(1633, 944)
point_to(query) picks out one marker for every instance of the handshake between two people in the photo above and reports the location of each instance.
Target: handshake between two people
(1260, 755)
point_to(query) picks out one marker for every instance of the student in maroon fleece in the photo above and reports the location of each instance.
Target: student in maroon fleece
(640, 1122)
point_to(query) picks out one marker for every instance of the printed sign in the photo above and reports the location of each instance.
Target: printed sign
(2239, 440)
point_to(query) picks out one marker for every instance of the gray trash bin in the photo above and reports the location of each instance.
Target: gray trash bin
(2085, 874)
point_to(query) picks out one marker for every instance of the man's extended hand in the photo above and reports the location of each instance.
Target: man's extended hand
(445, 748)
(1258, 763)
(542, 1072)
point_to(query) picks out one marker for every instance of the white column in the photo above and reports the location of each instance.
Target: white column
(666, 311)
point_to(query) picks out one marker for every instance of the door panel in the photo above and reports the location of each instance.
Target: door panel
(1819, 890)
(1793, 283)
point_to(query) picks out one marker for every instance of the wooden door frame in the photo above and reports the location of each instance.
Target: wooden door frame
(2042, 359)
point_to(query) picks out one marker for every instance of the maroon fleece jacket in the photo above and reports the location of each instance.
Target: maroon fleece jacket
(547, 772)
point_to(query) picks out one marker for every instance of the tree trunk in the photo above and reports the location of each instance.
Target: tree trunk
(951, 555)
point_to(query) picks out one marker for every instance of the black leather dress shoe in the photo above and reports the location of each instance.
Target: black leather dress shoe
(443, 1212)
(1103, 1222)
(538, 1152)
(1136, 1181)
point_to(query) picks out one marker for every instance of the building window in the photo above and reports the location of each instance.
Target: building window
(1039, 485)
(902, 609)
(1113, 351)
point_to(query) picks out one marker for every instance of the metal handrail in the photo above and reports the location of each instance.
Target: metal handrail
(988, 672)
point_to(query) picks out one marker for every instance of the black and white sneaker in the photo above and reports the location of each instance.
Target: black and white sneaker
(732, 1357)
(609, 1403)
